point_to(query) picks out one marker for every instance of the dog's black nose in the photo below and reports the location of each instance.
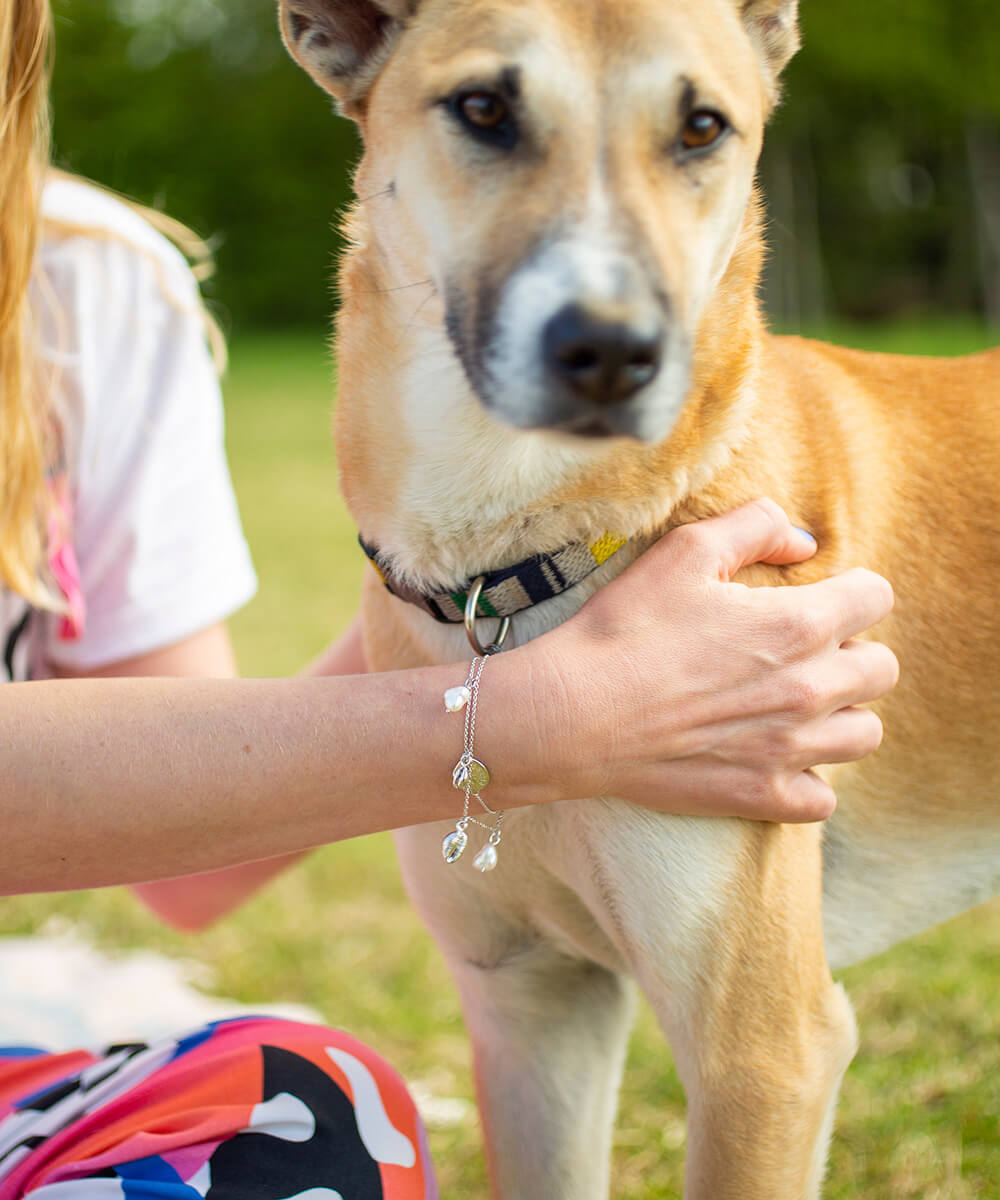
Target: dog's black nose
(602, 358)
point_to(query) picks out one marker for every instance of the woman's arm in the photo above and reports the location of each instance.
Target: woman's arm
(191, 902)
(690, 693)
(126, 780)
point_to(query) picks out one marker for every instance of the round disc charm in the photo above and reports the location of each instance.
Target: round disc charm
(471, 772)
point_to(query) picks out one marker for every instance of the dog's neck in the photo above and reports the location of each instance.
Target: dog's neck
(447, 493)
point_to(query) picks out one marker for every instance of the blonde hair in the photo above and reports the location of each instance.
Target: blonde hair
(25, 30)
(28, 430)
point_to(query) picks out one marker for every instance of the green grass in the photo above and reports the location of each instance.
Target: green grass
(279, 393)
(920, 1111)
(943, 336)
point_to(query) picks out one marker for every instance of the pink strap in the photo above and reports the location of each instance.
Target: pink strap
(62, 562)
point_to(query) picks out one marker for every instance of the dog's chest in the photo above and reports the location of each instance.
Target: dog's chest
(881, 887)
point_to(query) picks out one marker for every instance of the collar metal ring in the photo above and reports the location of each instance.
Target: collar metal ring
(470, 622)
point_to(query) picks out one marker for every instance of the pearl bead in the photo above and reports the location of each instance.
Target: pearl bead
(486, 859)
(456, 698)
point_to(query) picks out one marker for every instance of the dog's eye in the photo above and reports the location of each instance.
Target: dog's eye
(484, 110)
(703, 129)
(485, 115)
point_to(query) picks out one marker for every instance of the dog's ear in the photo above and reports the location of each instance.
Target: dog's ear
(343, 44)
(774, 29)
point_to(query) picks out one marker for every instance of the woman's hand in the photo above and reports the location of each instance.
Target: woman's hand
(689, 693)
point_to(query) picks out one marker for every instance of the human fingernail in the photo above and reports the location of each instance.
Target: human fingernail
(805, 533)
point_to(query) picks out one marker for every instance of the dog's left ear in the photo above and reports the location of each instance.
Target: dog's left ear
(343, 44)
(774, 29)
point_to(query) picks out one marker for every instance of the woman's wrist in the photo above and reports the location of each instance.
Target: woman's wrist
(529, 729)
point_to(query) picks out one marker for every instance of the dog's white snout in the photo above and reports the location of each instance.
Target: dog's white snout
(584, 344)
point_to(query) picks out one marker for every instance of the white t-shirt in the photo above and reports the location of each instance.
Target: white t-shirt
(155, 528)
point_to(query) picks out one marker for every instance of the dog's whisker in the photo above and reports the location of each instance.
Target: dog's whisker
(402, 287)
(388, 190)
(420, 307)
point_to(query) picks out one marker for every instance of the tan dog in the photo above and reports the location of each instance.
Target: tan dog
(550, 329)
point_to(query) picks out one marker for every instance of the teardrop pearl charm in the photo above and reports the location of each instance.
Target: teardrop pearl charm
(456, 698)
(454, 844)
(486, 859)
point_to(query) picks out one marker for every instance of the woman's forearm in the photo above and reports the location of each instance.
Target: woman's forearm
(193, 902)
(124, 780)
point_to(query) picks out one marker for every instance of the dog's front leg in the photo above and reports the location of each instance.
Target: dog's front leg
(548, 1026)
(760, 1033)
(549, 1034)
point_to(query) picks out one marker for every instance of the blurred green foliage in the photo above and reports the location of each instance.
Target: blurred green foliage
(882, 169)
(194, 106)
(887, 151)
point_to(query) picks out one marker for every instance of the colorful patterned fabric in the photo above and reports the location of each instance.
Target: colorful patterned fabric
(248, 1109)
(509, 590)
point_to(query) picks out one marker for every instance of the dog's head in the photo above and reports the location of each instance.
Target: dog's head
(572, 177)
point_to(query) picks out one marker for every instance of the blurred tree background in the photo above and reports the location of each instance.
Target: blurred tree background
(882, 169)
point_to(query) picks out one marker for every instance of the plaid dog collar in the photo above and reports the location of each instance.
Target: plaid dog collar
(509, 590)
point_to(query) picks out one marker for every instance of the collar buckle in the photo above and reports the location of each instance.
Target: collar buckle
(471, 605)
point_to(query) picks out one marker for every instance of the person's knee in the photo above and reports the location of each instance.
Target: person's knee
(338, 1101)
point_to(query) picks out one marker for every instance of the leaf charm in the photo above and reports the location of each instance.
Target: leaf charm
(454, 844)
(471, 772)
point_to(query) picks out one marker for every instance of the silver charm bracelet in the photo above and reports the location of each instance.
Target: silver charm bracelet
(471, 774)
